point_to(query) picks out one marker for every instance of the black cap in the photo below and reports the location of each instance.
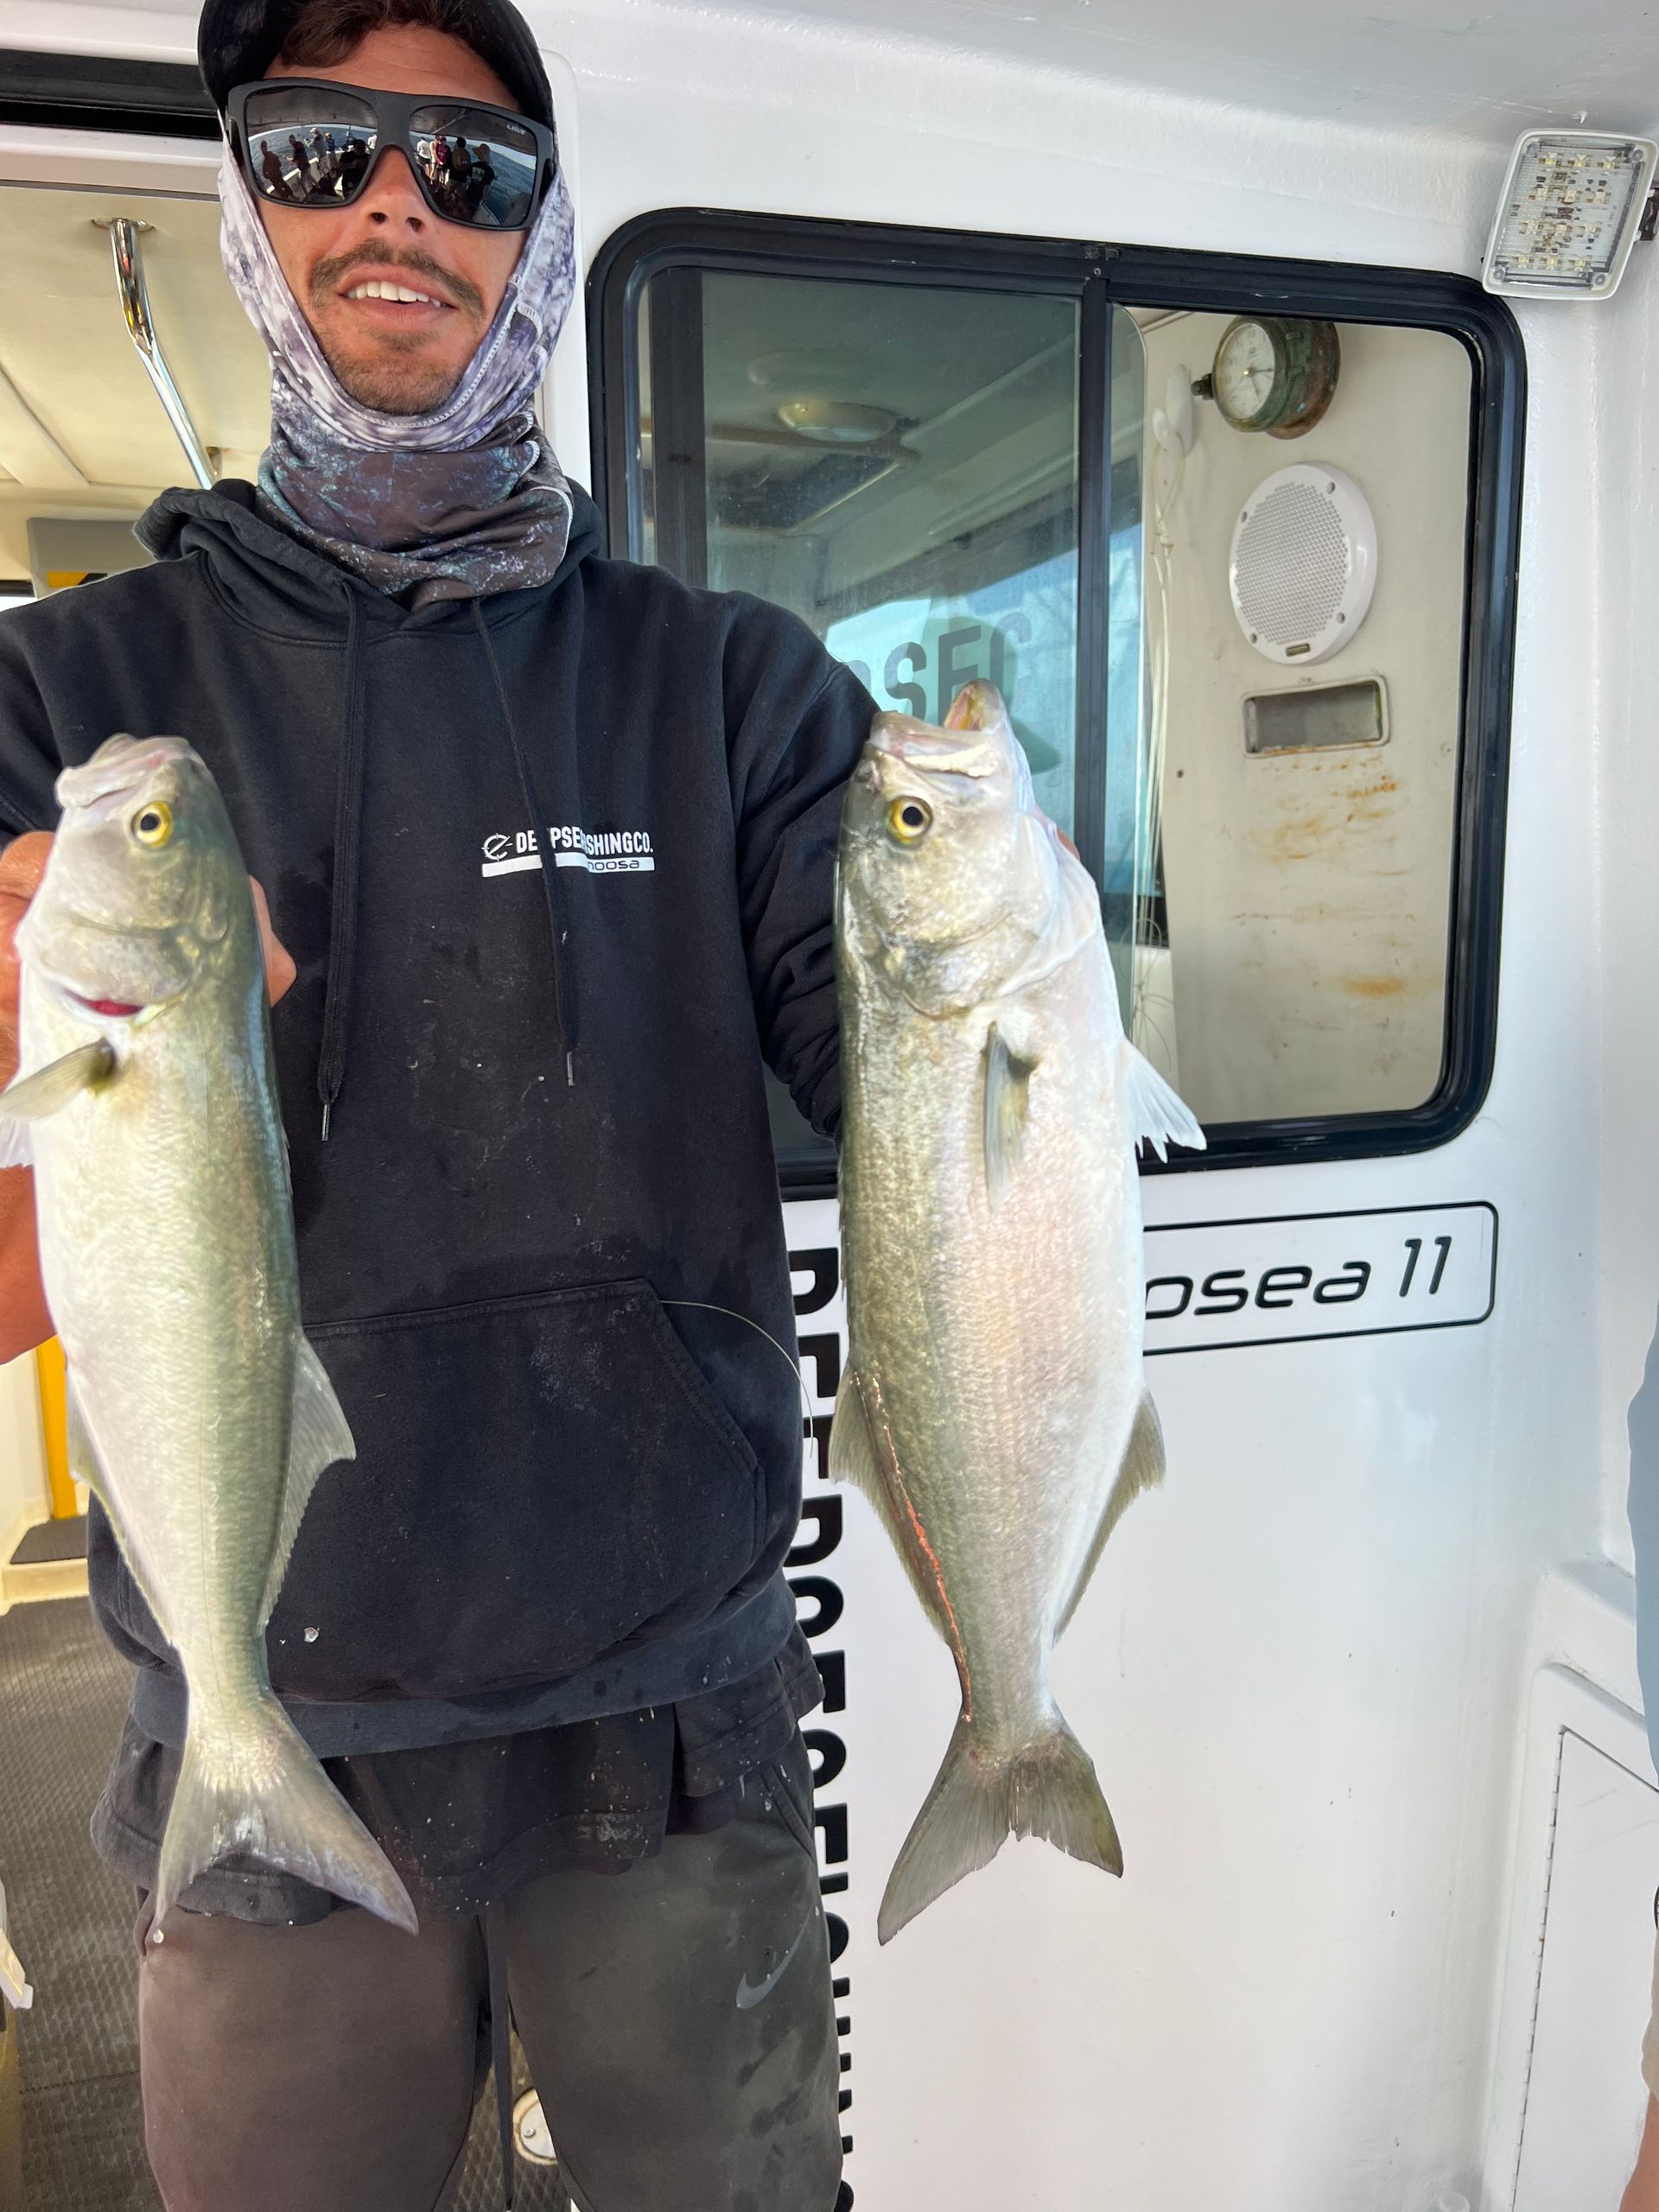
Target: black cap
(239, 39)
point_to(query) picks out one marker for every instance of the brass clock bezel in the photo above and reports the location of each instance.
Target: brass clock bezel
(1306, 363)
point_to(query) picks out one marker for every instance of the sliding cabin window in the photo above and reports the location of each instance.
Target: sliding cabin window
(951, 456)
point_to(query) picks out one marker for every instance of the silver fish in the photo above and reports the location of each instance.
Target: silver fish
(993, 1406)
(197, 1411)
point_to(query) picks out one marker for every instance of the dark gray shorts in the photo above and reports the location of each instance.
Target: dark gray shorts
(677, 2021)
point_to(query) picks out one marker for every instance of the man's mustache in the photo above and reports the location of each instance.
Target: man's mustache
(329, 270)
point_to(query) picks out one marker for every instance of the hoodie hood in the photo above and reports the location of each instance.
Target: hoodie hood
(274, 580)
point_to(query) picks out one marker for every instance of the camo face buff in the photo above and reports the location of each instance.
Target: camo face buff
(455, 504)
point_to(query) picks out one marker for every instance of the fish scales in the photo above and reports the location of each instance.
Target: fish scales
(197, 1411)
(994, 1406)
(985, 1344)
(144, 1296)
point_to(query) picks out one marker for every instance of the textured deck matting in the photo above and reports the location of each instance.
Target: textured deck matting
(50, 1540)
(63, 1694)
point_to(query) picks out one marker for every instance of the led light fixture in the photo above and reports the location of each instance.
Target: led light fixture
(1571, 208)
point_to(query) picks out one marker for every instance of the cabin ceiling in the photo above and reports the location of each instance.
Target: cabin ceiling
(1483, 69)
(82, 429)
(1481, 72)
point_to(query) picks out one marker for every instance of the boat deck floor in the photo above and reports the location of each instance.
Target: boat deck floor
(63, 1691)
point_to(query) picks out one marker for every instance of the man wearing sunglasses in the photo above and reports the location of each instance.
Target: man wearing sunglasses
(549, 840)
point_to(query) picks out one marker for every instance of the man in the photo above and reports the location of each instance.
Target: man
(538, 1630)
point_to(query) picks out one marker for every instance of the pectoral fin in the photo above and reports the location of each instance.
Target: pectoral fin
(319, 1435)
(1007, 1098)
(48, 1090)
(855, 1457)
(1143, 1469)
(1157, 1116)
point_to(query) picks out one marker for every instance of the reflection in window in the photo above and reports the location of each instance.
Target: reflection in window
(898, 464)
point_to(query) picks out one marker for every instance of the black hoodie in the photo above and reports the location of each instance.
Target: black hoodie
(548, 1156)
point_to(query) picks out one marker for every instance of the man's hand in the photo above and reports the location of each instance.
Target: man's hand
(21, 866)
(24, 1320)
(1642, 2193)
(280, 970)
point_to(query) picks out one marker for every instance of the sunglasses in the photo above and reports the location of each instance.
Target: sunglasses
(306, 142)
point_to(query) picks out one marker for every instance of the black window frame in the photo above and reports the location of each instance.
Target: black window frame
(96, 92)
(1100, 276)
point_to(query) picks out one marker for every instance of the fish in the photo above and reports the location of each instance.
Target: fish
(993, 1407)
(198, 1410)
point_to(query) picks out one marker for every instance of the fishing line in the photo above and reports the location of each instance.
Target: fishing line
(703, 1306)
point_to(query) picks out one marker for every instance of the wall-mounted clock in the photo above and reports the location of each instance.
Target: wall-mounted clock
(1275, 373)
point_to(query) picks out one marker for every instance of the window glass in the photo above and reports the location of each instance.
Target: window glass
(1294, 961)
(897, 464)
(1219, 563)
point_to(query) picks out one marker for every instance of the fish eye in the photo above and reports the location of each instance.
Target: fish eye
(909, 820)
(153, 825)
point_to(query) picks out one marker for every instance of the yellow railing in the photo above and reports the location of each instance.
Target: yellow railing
(48, 1362)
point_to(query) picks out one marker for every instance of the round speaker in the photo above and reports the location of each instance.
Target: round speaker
(1303, 565)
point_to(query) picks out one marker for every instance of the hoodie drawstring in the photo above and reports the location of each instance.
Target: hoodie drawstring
(564, 985)
(348, 839)
(342, 910)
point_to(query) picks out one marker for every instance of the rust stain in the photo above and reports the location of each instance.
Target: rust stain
(1299, 838)
(1375, 987)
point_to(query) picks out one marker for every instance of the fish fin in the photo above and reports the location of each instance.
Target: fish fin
(1143, 1469)
(853, 1458)
(1157, 1116)
(1048, 1789)
(86, 1464)
(1008, 1097)
(318, 1433)
(291, 1818)
(49, 1089)
(16, 1148)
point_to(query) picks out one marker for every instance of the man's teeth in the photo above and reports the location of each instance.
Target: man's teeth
(378, 287)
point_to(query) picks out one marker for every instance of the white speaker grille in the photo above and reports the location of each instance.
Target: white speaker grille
(1304, 563)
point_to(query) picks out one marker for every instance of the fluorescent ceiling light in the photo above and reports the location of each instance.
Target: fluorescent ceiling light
(1571, 208)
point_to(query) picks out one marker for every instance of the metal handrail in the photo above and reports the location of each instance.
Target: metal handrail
(135, 305)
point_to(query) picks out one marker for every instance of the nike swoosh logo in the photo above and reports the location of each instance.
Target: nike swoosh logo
(750, 1994)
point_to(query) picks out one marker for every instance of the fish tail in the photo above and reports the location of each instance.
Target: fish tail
(1048, 1787)
(276, 1802)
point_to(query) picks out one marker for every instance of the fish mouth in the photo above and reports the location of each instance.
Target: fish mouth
(90, 1002)
(900, 751)
(116, 772)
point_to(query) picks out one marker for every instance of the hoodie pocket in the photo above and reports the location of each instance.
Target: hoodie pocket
(539, 1480)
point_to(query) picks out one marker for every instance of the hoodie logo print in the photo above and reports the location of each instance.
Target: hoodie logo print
(601, 851)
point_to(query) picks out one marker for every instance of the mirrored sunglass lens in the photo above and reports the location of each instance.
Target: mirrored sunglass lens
(310, 148)
(480, 168)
